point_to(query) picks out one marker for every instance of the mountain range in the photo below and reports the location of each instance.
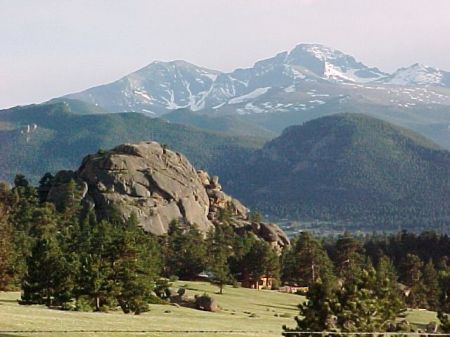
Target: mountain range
(310, 134)
(292, 87)
(164, 86)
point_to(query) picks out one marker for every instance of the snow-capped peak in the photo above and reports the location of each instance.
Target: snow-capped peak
(419, 74)
(332, 64)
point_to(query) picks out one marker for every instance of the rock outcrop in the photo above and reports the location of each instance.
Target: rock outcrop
(158, 185)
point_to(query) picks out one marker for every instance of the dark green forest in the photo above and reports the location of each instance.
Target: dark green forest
(351, 169)
(54, 136)
(67, 258)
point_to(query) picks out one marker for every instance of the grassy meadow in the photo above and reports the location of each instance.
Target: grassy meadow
(245, 312)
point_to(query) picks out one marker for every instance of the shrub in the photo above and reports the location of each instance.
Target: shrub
(83, 304)
(173, 278)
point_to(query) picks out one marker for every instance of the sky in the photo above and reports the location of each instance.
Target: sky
(49, 48)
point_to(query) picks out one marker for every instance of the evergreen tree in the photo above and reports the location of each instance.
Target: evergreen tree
(261, 260)
(348, 257)
(186, 252)
(317, 313)
(412, 277)
(306, 261)
(97, 256)
(45, 183)
(136, 268)
(49, 276)
(357, 305)
(24, 202)
(387, 290)
(6, 236)
(444, 285)
(219, 245)
(430, 283)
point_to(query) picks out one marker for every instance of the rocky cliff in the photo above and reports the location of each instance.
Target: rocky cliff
(158, 185)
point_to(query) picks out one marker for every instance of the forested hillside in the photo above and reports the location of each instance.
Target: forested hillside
(349, 168)
(48, 137)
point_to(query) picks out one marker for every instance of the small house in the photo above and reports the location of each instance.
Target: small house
(264, 282)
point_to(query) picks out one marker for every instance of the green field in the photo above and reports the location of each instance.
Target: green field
(245, 312)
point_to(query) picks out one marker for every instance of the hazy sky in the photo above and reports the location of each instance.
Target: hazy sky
(53, 47)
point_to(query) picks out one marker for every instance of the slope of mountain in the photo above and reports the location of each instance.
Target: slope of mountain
(419, 75)
(154, 89)
(305, 83)
(164, 86)
(349, 168)
(228, 124)
(49, 137)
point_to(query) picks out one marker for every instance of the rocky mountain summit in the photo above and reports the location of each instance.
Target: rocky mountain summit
(159, 186)
(299, 80)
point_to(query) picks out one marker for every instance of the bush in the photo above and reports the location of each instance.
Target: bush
(70, 306)
(173, 278)
(157, 300)
(84, 304)
(105, 308)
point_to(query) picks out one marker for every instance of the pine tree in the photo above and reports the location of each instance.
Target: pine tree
(306, 261)
(45, 183)
(387, 290)
(96, 249)
(136, 268)
(430, 282)
(444, 285)
(349, 256)
(24, 202)
(356, 305)
(6, 248)
(186, 252)
(412, 276)
(261, 260)
(220, 249)
(318, 312)
(49, 276)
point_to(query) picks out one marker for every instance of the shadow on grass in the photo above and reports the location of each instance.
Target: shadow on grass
(8, 301)
(285, 307)
(11, 335)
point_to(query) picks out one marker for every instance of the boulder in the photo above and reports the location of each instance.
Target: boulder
(156, 184)
(206, 303)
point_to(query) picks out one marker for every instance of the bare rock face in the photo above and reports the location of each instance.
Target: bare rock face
(158, 185)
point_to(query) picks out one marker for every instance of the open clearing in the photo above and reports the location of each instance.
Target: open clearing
(245, 312)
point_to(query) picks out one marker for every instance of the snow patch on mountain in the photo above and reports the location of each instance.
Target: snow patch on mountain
(251, 95)
(288, 76)
(417, 74)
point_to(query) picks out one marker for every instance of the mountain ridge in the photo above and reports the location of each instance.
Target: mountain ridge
(349, 168)
(164, 86)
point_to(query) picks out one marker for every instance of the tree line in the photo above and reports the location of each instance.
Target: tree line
(366, 283)
(61, 255)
